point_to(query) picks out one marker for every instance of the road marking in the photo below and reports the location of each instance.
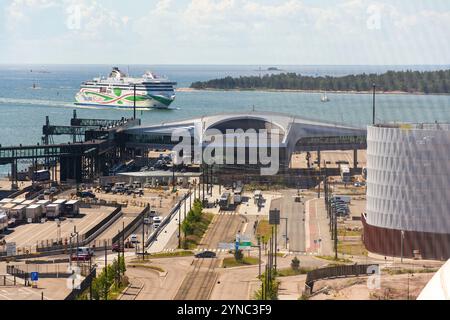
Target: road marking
(307, 231)
(318, 227)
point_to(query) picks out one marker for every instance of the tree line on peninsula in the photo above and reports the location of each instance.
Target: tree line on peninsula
(426, 82)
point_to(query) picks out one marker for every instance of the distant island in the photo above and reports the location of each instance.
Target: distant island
(428, 82)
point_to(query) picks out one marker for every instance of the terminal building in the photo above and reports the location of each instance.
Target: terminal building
(288, 134)
(408, 178)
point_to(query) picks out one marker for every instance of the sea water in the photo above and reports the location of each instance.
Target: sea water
(28, 93)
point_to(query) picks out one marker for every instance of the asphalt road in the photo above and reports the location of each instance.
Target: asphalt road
(294, 212)
(223, 229)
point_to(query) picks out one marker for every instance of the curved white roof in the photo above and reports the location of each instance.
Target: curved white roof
(439, 286)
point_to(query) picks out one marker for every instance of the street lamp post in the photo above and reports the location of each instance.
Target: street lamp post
(143, 237)
(259, 255)
(402, 236)
(373, 104)
(286, 233)
(123, 242)
(335, 236)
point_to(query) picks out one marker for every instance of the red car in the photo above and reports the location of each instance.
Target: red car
(117, 248)
(83, 254)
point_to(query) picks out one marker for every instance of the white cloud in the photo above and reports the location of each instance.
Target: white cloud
(238, 31)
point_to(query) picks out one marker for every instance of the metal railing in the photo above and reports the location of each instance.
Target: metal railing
(125, 233)
(337, 272)
(167, 219)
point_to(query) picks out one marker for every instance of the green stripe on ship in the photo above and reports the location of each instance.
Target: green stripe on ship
(107, 98)
(138, 98)
(164, 101)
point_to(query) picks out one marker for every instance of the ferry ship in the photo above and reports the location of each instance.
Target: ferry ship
(121, 91)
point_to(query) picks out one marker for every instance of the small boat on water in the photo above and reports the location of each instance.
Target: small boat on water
(324, 98)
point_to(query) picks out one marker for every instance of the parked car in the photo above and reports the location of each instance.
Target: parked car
(206, 254)
(82, 254)
(117, 248)
(86, 194)
(134, 238)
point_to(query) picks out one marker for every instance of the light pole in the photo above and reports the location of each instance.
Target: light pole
(373, 103)
(286, 233)
(134, 102)
(143, 236)
(335, 236)
(259, 254)
(402, 237)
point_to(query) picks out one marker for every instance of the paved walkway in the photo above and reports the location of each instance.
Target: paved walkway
(317, 230)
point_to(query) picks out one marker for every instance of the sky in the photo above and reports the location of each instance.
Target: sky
(260, 32)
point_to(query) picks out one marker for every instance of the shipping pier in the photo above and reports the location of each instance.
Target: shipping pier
(96, 146)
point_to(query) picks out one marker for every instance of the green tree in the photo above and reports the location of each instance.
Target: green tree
(295, 264)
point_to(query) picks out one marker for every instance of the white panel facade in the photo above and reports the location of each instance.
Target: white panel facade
(408, 177)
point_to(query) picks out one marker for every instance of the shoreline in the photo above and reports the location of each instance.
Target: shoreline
(312, 91)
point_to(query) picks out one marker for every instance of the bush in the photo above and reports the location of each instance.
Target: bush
(238, 255)
(295, 264)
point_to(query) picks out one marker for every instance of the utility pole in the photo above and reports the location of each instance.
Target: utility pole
(276, 247)
(259, 254)
(190, 198)
(118, 261)
(106, 270)
(335, 236)
(123, 243)
(179, 226)
(286, 233)
(143, 236)
(402, 235)
(134, 102)
(373, 105)
(203, 184)
(173, 177)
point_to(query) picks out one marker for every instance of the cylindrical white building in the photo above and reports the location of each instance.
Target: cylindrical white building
(408, 190)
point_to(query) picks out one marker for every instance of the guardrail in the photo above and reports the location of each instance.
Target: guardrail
(105, 223)
(338, 272)
(131, 226)
(167, 219)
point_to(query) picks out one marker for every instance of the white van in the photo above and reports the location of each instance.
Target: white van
(157, 222)
(134, 238)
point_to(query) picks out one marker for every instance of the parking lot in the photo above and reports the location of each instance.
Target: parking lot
(30, 234)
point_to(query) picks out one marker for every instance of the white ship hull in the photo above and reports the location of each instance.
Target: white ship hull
(121, 91)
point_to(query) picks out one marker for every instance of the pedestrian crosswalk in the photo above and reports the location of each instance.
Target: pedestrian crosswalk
(227, 213)
(213, 250)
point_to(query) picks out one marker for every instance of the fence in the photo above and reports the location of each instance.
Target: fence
(81, 240)
(83, 286)
(130, 227)
(45, 271)
(16, 273)
(6, 281)
(337, 272)
(166, 220)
